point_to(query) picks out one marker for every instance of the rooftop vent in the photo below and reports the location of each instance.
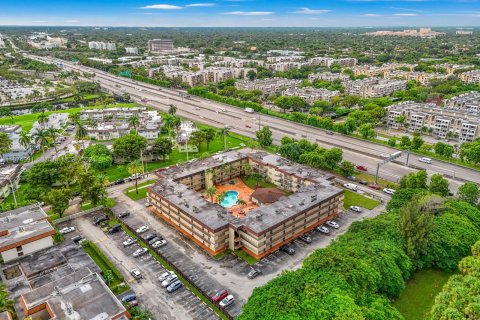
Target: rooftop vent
(278, 211)
(313, 198)
(290, 206)
(179, 194)
(302, 203)
(259, 216)
(195, 209)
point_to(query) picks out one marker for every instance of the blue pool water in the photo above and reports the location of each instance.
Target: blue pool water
(230, 199)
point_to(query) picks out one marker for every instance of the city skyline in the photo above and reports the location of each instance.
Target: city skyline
(247, 13)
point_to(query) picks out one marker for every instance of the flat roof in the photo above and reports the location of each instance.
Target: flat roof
(21, 216)
(9, 173)
(80, 295)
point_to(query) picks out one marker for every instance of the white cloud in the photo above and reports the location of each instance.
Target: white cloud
(405, 14)
(312, 11)
(162, 7)
(249, 13)
(200, 5)
(372, 15)
(72, 21)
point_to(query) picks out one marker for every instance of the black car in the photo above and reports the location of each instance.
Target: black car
(115, 229)
(305, 238)
(99, 219)
(120, 181)
(152, 241)
(123, 214)
(352, 178)
(287, 249)
(364, 182)
(149, 236)
(77, 239)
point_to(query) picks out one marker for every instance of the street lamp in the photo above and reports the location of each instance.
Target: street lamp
(13, 191)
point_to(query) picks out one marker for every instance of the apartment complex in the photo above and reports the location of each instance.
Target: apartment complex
(24, 231)
(131, 50)
(454, 68)
(469, 102)
(439, 120)
(373, 87)
(290, 58)
(328, 76)
(422, 77)
(421, 33)
(472, 76)
(17, 152)
(229, 62)
(268, 86)
(328, 62)
(310, 94)
(157, 45)
(210, 74)
(285, 66)
(98, 45)
(177, 198)
(9, 179)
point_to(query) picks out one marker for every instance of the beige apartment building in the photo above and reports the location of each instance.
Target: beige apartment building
(374, 87)
(179, 199)
(470, 76)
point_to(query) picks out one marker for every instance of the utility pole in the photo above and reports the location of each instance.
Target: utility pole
(13, 192)
(186, 144)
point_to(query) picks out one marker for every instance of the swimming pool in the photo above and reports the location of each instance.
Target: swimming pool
(230, 199)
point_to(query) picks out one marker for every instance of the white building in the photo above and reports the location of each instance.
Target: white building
(328, 62)
(9, 178)
(310, 94)
(24, 231)
(268, 86)
(98, 45)
(328, 76)
(373, 87)
(17, 152)
(210, 74)
(131, 50)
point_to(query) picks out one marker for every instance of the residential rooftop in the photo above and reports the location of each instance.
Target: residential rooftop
(9, 173)
(21, 217)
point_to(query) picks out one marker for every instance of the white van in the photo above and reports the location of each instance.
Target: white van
(249, 110)
(351, 186)
(425, 160)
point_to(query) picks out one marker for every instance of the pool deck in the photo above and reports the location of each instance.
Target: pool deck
(244, 193)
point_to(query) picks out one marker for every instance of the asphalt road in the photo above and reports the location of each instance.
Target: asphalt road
(219, 115)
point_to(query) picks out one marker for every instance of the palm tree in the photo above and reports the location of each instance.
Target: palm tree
(224, 132)
(135, 168)
(241, 203)
(42, 139)
(25, 140)
(247, 168)
(53, 134)
(172, 109)
(211, 192)
(134, 121)
(74, 117)
(42, 118)
(221, 196)
(81, 133)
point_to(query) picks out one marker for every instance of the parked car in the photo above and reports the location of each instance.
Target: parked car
(147, 203)
(351, 186)
(123, 214)
(305, 238)
(165, 275)
(77, 239)
(159, 243)
(154, 240)
(254, 273)
(332, 224)
(128, 242)
(352, 178)
(356, 209)
(142, 229)
(425, 160)
(67, 230)
(149, 236)
(174, 286)
(375, 186)
(219, 295)
(99, 219)
(227, 301)
(140, 252)
(132, 303)
(136, 274)
(129, 297)
(169, 280)
(361, 168)
(116, 228)
(322, 229)
(364, 182)
(287, 249)
(330, 132)
(389, 191)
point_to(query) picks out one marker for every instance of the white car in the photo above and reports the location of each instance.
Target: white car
(159, 243)
(425, 160)
(332, 224)
(136, 273)
(351, 186)
(128, 242)
(147, 203)
(168, 280)
(356, 209)
(66, 230)
(228, 300)
(142, 229)
(389, 191)
(165, 275)
(322, 229)
(140, 252)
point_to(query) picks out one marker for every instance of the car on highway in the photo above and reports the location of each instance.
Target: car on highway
(356, 209)
(128, 242)
(254, 273)
(305, 238)
(140, 252)
(169, 280)
(174, 286)
(375, 186)
(159, 243)
(227, 301)
(66, 230)
(361, 168)
(364, 182)
(165, 275)
(332, 224)
(287, 249)
(389, 191)
(352, 178)
(142, 229)
(219, 295)
(123, 214)
(136, 274)
(322, 229)
(425, 160)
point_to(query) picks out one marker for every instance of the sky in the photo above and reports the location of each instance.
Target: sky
(241, 13)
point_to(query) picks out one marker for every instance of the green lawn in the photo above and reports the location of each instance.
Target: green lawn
(245, 256)
(418, 297)
(355, 199)
(142, 190)
(251, 182)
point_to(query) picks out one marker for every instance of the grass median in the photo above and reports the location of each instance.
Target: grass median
(354, 199)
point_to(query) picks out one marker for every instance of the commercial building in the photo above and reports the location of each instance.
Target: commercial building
(310, 94)
(470, 76)
(268, 86)
(18, 152)
(157, 45)
(179, 199)
(439, 120)
(9, 178)
(328, 76)
(24, 231)
(374, 87)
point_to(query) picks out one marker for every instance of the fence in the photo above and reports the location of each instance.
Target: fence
(77, 215)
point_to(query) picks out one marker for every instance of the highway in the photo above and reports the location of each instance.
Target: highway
(218, 115)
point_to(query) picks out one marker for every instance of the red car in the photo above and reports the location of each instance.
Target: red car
(361, 168)
(375, 186)
(219, 295)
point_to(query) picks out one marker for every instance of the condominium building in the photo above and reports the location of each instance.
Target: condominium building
(268, 86)
(374, 87)
(259, 228)
(310, 94)
(285, 52)
(17, 152)
(328, 76)
(98, 45)
(291, 58)
(24, 231)
(285, 66)
(469, 102)
(470, 76)
(210, 74)
(157, 45)
(422, 77)
(131, 50)
(453, 68)
(328, 62)
(463, 32)
(9, 179)
(229, 62)
(422, 33)
(115, 113)
(439, 120)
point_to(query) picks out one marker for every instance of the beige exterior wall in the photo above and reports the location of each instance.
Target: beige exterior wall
(27, 248)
